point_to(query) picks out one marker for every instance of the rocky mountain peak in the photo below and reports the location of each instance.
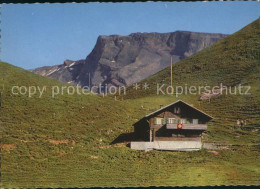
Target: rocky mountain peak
(123, 60)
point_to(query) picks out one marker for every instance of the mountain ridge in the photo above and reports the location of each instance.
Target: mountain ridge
(123, 60)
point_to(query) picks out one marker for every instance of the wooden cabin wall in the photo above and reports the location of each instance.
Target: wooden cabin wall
(163, 132)
(186, 112)
(142, 130)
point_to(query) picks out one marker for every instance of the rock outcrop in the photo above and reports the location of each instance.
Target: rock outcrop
(123, 60)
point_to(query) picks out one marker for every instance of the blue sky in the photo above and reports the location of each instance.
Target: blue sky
(35, 35)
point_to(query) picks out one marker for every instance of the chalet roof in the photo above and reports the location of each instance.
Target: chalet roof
(179, 101)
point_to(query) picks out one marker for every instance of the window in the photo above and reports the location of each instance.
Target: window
(158, 121)
(172, 120)
(195, 121)
(183, 121)
(189, 121)
(177, 110)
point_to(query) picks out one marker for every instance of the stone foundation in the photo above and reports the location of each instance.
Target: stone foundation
(167, 145)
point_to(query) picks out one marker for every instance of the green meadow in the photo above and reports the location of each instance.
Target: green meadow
(66, 141)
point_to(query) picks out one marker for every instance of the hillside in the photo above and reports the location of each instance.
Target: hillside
(66, 141)
(231, 62)
(122, 60)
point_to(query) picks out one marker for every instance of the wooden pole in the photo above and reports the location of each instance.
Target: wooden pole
(171, 76)
(151, 131)
(89, 80)
(150, 135)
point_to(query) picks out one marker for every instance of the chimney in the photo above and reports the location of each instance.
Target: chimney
(161, 106)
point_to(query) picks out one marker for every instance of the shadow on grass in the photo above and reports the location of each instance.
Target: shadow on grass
(124, 138)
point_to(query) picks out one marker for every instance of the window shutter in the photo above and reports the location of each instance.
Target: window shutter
(195, 121)
(154, 121)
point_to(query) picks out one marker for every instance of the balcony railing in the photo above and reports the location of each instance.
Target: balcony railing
(187, 126)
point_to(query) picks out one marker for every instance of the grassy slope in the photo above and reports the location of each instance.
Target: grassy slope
(232, 61)
(89, 123)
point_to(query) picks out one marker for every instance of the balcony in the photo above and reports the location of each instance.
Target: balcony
(187, 126)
